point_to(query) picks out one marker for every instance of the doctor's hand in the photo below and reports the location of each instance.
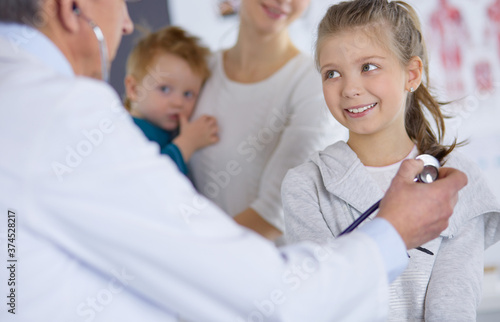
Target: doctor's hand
(418, 211)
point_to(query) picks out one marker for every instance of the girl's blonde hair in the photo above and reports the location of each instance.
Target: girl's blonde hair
(400, 21)
(170, 40)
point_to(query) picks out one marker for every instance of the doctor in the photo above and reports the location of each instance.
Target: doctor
(96, 226)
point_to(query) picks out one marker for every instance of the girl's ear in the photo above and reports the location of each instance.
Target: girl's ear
(131, 88)
(414, 70)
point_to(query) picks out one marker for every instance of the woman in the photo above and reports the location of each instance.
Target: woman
(266, 96)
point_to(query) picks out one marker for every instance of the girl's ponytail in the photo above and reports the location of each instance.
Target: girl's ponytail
(420, 130)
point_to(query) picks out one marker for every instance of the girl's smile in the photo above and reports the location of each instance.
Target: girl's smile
(360, 110)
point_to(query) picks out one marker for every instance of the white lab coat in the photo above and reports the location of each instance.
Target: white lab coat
(109, 230)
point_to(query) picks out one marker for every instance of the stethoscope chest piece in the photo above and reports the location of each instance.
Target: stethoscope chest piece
(430, 172)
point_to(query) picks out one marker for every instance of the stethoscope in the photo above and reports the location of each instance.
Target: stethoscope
(429, 174)
(103, 48)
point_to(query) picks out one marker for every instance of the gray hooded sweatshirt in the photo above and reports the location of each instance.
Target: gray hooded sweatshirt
(326, 194)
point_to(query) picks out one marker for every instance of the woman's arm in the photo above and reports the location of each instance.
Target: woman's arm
(251, 219)
(303, 217)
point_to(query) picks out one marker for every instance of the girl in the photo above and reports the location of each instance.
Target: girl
(267, 100)
(373, 64)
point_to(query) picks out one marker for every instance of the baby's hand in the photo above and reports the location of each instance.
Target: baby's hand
(196, 134)
(202, 132)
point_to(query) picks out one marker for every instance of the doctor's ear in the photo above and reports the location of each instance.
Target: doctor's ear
(131, 88)
(69, 15)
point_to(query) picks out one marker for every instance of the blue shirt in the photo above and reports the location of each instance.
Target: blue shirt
(164, 139)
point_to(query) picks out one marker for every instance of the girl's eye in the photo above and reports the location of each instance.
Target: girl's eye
(165, 89)
(331, 74)
(189, 94)
(369, 67)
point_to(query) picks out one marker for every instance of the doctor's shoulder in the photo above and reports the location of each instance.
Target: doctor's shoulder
(93, 96)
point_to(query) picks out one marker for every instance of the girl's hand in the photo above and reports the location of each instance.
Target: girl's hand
(196, 134)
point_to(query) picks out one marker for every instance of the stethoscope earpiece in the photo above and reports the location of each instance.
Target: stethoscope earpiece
(76, 10)
(103, 49)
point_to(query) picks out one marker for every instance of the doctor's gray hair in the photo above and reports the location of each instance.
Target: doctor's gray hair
(21, 11)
